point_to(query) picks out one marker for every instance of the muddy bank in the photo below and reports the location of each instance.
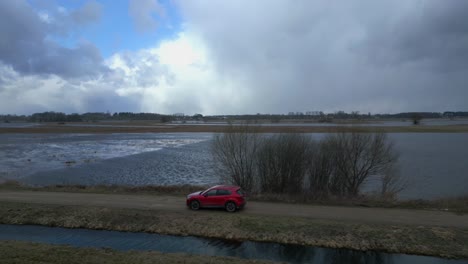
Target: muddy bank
(421, 240)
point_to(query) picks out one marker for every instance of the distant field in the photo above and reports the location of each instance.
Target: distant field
(146, 127)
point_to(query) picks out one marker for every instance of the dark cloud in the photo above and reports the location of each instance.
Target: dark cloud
(253, 56)
(379, 56)
(433, 33)
(26, 44)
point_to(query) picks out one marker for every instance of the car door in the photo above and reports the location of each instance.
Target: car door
(222, 197)
(209, 198)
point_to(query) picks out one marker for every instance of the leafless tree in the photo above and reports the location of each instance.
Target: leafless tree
(338, 165)
(320, 169)
(236, 150)
(282, 163)
(356, 157)
(392, 183)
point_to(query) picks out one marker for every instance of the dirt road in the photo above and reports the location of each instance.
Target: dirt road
(352, 214)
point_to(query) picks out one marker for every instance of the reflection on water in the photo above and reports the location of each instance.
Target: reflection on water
(202, 246)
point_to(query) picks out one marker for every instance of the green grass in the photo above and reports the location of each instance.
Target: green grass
(29, 253)
(421, 240)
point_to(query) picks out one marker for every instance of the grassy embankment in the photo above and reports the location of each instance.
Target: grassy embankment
(28, 253)
(458, 205)
(421, 240)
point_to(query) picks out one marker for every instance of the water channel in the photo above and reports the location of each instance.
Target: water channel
(124, 241)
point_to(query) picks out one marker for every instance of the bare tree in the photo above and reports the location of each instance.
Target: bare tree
(320, 169)
(356, 157)
(282, 163)
(236, 150)
(392, 183)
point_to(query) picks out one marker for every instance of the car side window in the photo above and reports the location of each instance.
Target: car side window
(223, 192)
(211, 193)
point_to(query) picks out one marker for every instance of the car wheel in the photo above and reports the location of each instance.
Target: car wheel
(230, 207)
(194, 205)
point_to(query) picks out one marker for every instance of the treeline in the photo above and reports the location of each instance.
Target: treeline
(86, 117)
(338, 165)
(274, 118)
(410, 115)
(325, 117)
(456, 114)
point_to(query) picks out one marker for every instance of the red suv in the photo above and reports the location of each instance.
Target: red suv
(230, 198)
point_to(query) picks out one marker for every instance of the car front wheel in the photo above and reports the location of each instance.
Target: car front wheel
(230, 207)
(194, 205)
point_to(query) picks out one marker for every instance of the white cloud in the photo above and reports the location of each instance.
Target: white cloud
(177, 75)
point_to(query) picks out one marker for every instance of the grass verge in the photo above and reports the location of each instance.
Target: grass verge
(26, 252)
(457, 205)
(421, 240)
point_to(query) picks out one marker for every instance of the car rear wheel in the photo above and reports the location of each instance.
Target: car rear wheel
(194, 205)
(230, 207)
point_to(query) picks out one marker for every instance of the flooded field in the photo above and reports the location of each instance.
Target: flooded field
(131, 159)
(434, 163)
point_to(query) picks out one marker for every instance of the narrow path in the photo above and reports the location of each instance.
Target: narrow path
(173, 203)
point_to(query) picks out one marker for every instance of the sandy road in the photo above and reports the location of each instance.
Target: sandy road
(173, 203)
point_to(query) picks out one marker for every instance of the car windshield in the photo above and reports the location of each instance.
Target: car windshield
(205, 191)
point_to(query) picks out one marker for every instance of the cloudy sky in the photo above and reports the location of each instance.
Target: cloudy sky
(233, 57)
